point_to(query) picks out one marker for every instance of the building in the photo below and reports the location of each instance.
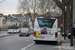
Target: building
(1, 21)
(10, 22)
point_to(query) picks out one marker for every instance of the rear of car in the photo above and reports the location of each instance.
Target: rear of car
(45, 29)
(24, 32)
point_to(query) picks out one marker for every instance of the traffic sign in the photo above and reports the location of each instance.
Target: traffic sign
(61, 25)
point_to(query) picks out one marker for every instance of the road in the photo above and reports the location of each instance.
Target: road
(24, 43)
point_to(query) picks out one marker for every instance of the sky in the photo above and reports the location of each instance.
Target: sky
(8, 7)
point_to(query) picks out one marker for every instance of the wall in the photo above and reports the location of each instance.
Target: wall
(10, 23)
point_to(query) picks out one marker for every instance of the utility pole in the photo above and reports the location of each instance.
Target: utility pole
(64, 17)
(72, 23)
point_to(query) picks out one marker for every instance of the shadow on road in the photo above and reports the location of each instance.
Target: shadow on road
(47, 43)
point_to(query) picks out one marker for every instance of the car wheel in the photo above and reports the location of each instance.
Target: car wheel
(68, 36)
(20, 36)
(10, 33)
(28, 35)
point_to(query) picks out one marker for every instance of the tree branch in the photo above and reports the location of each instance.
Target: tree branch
(59, 4)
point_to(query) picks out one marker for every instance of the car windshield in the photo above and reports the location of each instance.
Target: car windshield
(31, 30)
(18, 29)
(46, 22)
(14, 29)
(10, 30)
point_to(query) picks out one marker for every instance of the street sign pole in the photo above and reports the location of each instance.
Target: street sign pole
(71, 22)
(64, 18)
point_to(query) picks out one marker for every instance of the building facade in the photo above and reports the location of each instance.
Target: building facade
(10, 23)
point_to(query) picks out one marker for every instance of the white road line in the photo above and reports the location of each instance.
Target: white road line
(27, 46)
(60, 47)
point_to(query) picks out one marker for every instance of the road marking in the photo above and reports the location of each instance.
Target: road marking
(27, 46)
(59, 40)
(7, 40)
(27, 40)
(60, 47)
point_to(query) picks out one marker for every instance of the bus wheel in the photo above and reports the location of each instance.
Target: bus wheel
(55, 42)
(36, 42)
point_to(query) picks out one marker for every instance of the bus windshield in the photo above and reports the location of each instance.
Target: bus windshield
(46, 22)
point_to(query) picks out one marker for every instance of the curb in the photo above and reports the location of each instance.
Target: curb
(7, 35)
(4, 36)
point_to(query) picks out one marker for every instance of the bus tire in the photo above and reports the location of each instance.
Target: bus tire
(36, 42)
(55, 42)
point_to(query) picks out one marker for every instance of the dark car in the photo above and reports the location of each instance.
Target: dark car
(69, 35)
(65, 34)
(24, 34)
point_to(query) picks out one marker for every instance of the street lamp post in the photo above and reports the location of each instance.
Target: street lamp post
(64, 17)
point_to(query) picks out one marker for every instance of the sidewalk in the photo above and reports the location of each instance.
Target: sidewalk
(66, 44)
(4, 34)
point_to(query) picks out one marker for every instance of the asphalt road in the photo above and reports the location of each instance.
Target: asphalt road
(24, 43)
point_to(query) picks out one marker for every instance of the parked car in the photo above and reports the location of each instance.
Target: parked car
(59, 29)
(63, 34)
(18, 30)
(10, 31)
(15, 31)
(69, 35)
(24, 32)
(31, 31)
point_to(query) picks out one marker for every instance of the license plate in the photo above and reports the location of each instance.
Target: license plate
(40, 37)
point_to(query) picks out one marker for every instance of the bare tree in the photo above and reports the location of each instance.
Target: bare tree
(36, 6)
(28, 6)
(47, 6)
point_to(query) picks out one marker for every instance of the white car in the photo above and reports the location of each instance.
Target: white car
(15, 30)
(18, 30)
(10, 31)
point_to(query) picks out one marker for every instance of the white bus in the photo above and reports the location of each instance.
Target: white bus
(45, 29)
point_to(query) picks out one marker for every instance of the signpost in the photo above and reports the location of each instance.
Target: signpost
(61, 25)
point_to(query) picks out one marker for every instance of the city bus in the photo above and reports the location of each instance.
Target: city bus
(45, 29)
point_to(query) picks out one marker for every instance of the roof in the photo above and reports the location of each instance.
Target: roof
(54, 14)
